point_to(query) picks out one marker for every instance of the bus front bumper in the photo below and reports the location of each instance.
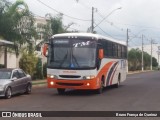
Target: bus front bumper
(73, 84)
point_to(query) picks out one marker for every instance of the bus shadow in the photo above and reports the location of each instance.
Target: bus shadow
(79, 93)
(110, 88)
(88, 92)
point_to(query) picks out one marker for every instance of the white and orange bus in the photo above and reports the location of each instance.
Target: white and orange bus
(84, 61)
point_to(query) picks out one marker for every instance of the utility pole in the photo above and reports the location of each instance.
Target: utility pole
(5, 56)
(92, 21)
(127, 48)
(152, 42)
(104, 18)
(142, 55)
(92, 24)
(158, 59)
(151, 53)
(158, 56)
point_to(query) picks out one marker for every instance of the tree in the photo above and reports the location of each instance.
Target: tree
(57, 25)
(16, 23)
(147, 60)
(154, 62)
(54, 26)
(134, 60)
(39, 70)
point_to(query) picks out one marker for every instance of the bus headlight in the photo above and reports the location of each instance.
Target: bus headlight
(89, 77)
(52, 76)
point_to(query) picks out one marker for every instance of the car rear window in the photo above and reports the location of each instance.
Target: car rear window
(5, 75)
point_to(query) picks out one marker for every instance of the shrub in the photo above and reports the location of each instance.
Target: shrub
(45, 70)
(1, 66)
(28, 62)
(39, 72)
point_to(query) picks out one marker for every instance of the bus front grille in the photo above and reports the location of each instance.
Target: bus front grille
(70, 84)
(69, 76)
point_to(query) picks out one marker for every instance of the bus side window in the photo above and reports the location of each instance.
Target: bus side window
(124, 52)
(110, 49)
(119, 51)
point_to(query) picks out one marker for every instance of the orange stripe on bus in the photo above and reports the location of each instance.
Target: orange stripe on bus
(104, 70)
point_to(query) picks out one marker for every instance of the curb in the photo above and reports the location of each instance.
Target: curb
(39, 83)
(135, 72)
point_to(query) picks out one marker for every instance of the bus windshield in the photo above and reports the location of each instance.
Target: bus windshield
(72, 54)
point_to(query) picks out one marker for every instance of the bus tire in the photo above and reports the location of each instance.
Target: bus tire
(61, 91)
(118, 81)
(100, 90)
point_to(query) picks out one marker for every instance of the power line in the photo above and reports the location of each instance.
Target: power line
(133, 42)
(106, 16)
(111, 23)
(36, 15)
(147, 27)
(86, 6)
(61, 12)
(105, 32)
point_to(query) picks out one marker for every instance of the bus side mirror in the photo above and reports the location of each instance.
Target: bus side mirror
(45, 49)
(101, 54)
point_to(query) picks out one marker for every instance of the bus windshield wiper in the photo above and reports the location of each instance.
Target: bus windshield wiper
(75, 60)
(63, 59)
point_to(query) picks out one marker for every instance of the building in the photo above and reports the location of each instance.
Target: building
(10, 59)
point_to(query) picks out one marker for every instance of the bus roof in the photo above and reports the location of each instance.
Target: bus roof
(97, 36)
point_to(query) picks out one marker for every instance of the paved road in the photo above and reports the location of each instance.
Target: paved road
(140, 92)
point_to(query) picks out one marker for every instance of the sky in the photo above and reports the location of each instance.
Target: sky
(139, 16)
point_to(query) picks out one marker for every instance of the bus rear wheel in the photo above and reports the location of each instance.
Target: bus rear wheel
(61, 91)
(118, 82)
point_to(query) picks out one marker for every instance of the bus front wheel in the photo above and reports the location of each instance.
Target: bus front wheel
(100, 90)
(61, 91)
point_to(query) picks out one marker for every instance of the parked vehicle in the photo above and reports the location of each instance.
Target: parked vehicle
(13, 81)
